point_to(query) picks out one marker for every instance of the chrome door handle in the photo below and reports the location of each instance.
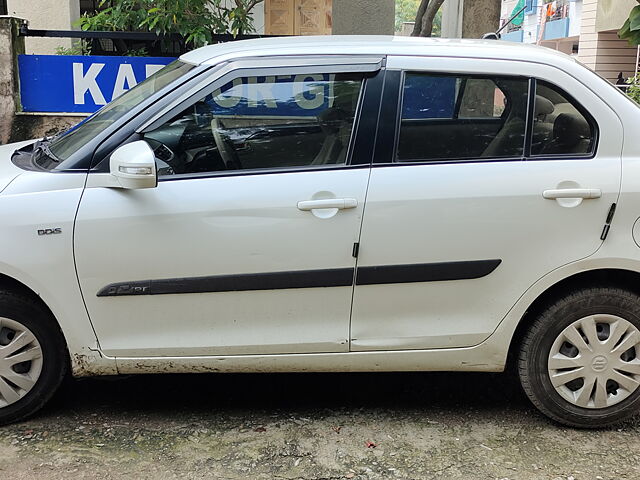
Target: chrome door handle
(572, 193)
(339, 203)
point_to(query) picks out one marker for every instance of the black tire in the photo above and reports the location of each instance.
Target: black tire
(537, 343)
(30, 313)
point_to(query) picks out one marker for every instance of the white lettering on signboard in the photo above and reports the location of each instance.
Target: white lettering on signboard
(125, 75)
(83, 82)
(228, 100)
(307, 94)
(152, 68)
(316, 93)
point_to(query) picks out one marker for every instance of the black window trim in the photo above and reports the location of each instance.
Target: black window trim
(383, 160)
(369, 96)
(531, 107)
(389, 114)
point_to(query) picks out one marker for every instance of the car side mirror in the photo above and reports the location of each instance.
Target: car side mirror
(134, 165)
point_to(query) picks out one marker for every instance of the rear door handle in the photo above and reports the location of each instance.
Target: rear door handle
(339, 203)
(572, 193)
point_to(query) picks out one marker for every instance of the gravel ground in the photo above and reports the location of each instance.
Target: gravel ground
(308, 426)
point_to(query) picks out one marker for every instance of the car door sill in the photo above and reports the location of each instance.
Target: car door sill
(480, 358)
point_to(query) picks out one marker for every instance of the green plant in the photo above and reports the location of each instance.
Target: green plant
(79, 47)
(630, 31)
(633, 90)
(196, 20)
(138, 52)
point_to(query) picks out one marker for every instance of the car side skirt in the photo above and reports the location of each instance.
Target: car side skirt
(481, 358)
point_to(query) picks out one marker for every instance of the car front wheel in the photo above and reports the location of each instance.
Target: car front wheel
(579, 362)
(33, 358)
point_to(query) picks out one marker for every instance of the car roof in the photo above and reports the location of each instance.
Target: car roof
(370, 45)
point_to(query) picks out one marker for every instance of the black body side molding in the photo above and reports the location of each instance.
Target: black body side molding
(338, 277)
(425, 272)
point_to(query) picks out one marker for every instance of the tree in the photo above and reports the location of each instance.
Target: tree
(406, 12)
(425, 17)
(196, 20)
(630, 31)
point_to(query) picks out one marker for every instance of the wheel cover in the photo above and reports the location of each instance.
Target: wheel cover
(595, 362)
(20, 361)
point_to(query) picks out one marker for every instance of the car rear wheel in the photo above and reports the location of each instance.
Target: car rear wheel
(579, 362)
(33, 358)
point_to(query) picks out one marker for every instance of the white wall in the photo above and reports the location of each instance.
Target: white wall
(258, 18)
(575, 16)
(530, 27)
(507, 8)
(48, 15)
(451, 19)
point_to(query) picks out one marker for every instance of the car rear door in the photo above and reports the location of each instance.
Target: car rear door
(451, 240)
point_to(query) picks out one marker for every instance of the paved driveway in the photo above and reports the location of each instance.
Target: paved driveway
(308, 426)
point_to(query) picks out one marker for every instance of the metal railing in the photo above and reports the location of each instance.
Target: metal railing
(120, 43)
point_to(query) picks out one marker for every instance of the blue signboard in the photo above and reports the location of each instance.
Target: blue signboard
(65, 83)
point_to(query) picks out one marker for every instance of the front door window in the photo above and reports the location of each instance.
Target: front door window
(270, 122)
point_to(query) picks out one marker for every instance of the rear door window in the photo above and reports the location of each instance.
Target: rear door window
(560, 125)
(458, 117)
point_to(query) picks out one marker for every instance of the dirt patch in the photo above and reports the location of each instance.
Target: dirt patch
(329, 426)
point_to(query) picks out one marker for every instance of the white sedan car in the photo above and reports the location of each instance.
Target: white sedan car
(334, 204)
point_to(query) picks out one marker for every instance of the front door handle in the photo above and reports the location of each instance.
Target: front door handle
(339, 203)
(572, 193)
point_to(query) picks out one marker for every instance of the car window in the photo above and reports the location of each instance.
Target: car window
(262, 123)
(560, 126)
(462, 117)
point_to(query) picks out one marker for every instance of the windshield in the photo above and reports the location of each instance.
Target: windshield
(63, 147)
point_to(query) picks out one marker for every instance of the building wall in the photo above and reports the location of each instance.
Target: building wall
(593, 24)
(258, 18)
(612, 14)
(603, 51)
(530, 27)
(363, 17)
(46, 14)
(575, 14)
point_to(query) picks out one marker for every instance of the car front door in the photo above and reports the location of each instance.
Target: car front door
(245, 246)
(497, 177)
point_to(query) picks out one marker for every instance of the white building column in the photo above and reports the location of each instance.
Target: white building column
(470, 18)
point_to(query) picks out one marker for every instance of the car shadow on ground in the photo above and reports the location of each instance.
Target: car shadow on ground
(199, 394)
